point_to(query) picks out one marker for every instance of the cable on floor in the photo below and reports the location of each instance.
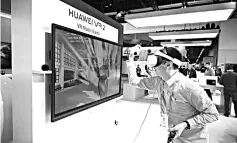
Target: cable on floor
(143, 120)
(142, 123)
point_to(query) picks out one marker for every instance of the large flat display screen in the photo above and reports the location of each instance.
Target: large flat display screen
(86, 71)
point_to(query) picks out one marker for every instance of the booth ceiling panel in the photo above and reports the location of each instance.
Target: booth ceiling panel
(134, 6)
(112, 7)
(197, 14)
(193, 34)
(186, 43)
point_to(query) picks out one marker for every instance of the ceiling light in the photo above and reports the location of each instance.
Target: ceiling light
(5, 15)
(206, 13)
(186, 43)
(195, 34)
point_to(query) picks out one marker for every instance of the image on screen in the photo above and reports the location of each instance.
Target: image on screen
(86, 70)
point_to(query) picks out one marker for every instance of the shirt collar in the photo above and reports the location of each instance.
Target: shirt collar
(173, 79)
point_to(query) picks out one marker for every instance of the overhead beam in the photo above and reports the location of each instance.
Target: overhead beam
(169, 6)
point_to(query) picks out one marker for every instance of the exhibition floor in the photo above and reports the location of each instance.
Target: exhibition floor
(222, 131)
(216, 100)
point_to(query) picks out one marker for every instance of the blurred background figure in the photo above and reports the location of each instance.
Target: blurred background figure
(149, 52)
(209, 71)
(229, 81)
(218, 73)
(138, 70)
(136, 57)
(146, 67)
(202, 68)
(192, 72)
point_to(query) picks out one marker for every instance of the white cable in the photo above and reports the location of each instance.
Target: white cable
(142, 124)
(143, 120)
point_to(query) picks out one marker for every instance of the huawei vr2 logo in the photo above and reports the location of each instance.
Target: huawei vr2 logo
(86, 19)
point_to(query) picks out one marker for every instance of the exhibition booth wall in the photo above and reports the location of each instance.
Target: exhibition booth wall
(227, 42)
(31, 28)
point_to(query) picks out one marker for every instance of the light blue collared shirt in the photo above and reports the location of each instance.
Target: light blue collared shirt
(181, 99)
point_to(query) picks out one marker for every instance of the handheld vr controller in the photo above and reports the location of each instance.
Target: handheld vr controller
(171, 136)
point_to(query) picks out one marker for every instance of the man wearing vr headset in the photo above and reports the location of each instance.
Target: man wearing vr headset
(186, 104)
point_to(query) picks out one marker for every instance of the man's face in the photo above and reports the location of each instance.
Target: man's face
(160, 71)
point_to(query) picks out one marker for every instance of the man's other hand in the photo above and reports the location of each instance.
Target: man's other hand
(178, 129)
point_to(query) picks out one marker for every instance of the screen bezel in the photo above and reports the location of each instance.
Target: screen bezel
(56, 117)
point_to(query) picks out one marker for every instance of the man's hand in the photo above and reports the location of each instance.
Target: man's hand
(178, 129)
(134, 49)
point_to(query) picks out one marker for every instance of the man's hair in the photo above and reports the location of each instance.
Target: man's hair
(229, 67)
(174, 53)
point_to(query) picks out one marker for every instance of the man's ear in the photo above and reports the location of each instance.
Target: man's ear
(167, 64)
(171, 64)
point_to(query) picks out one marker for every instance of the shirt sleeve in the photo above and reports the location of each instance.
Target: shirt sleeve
(149, 83)
(207, 110)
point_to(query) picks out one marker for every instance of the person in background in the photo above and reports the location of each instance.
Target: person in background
(146, 66)
(184, 102)
(136, 57)
(149, 52)
(202, 68)
(209, 72)
(192, 72)
(138, 70)
(229, 81)
(218, 73)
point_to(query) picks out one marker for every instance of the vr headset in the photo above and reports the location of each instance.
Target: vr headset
(158, 57)
(155, 59)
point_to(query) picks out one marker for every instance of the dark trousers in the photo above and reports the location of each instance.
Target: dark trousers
(227, 96)
(208, 91)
